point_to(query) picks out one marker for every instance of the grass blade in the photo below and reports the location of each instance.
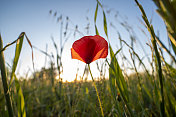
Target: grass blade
(167, 10)
(164, 47)
(31, 49)
(4, 80)
(115, 71)
(104, 18)
(105, 24)
(95, 19)
(158, 64)
(17, 54)
(95, 16)
(20, 99)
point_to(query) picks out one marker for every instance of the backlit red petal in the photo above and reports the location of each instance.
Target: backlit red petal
(89, 48)
(75, 55)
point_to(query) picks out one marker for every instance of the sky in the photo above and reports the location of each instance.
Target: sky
(33, 18)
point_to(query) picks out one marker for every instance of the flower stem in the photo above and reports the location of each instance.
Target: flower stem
(4, 80)
(96, 91)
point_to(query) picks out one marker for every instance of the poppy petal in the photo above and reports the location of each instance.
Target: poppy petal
(75, 55)
(84, 47)
(89, 48)
(101, 54)
(101, 50)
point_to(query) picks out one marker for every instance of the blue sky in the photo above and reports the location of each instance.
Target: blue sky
(33, 17)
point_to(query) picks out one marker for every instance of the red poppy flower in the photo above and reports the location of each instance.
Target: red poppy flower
(89, 48)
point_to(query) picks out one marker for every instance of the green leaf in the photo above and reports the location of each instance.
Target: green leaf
(116, 71)
(105, 24)
(116, 77)
(19, 44)
(97, 33)
(112, 80)
(172, 70)
(20, 99)
(173, 42)
(99, 3)
(157, 59)
(95, 16)
(104, 18)
(4, 80)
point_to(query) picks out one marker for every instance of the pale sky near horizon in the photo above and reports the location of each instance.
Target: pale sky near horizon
(33, 18)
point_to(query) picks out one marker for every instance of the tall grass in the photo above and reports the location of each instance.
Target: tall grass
(4, 80)
(147, 93)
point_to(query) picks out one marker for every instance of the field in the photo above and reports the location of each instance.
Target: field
(150, 92)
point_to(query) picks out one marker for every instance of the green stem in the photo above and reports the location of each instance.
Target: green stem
(4, 80)
(96, 91)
